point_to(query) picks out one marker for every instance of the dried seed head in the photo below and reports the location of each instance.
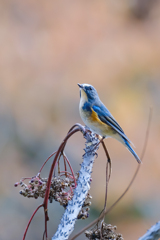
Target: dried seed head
(107, 231)
(16, 184)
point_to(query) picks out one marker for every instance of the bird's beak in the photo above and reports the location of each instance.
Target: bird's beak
(80, 85)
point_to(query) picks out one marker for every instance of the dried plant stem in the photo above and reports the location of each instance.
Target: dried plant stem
(153, 233)
(45, 202)
(46, 162)
(108, 175)
(31, 220)
(75, 205)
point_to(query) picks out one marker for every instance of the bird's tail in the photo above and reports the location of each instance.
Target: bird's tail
(132, 151)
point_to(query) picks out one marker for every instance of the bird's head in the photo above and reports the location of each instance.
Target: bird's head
(88, 91)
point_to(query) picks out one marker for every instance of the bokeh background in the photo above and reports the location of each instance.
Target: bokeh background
(46, 48)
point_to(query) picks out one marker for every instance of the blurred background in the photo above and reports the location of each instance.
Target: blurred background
(46, 48)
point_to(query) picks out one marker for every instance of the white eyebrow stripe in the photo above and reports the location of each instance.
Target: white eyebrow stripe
(86, 85)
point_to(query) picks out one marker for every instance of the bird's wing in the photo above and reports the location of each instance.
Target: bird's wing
(105, 116)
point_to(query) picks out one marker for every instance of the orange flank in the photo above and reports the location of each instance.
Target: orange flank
(98, 126)
(94, 117)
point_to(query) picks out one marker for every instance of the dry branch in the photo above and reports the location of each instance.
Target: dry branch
(69, 218)
(153, 233)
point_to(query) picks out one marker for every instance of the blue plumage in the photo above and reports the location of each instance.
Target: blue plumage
(105, 116)
(87, 107)
(97, 117)
(132, 151)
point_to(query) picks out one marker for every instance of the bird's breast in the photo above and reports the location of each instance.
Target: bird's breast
(91, 119)
(85, 111)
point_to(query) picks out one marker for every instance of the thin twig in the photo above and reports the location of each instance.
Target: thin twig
(107, 180)
(65, 167)
(70, 169)
(31, 220)
(109, 159)
(106, 193)
(107, 175)
(51, 173)
(46, 161)
(77, 125)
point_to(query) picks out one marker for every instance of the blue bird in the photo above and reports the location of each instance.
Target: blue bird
(98, 118)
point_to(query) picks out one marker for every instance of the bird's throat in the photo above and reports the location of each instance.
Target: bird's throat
(83, 98)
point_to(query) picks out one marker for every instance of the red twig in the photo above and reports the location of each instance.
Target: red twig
(107, 181)
(46, 161)
(31, 220)
(66, 173)
(71, 171)
(65, 167)
(61, 148)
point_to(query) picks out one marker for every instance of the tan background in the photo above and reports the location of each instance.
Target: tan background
(46, 48)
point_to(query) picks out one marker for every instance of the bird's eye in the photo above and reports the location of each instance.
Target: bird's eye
(90, 88)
